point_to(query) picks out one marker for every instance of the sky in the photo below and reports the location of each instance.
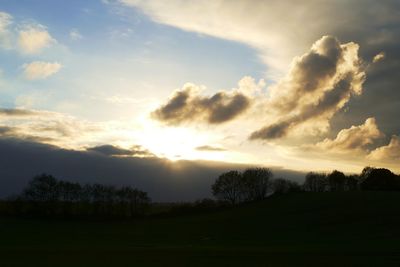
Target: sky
(307, 85)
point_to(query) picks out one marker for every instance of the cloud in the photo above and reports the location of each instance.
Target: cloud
(228, 20)
(388, 153)
(5, 34)
(378, 57)
(162, 179)
(123, 100)
(355, 138)
(40, 69)
(210, 148)
(32, 39)
(10, 112)
(188, 105)
(32, 98)
(318, 84)
(277, 38)
(61, 128)
(75, 35)
(5, 21)
(45, 126)
(111, 150)
(5, 130)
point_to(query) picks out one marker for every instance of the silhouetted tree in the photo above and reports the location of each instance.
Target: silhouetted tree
(284, 186)
(46, 195)
(133, 200)
(379, 179)
(68, 191)
(336, 181)
(86, 194)
(315, 182)
(142, 201)
(366, 172)
(228, 187)
(205, 204)
(42, 188)
(98, 193)
(352, 182)
(255, 183)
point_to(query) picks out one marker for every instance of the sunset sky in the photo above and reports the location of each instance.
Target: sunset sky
(301, 85)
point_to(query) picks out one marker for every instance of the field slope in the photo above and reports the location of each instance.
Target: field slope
(304, 229)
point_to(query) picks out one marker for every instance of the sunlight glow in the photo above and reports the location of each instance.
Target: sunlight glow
(176, 143)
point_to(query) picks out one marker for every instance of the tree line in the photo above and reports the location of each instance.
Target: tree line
(252, 184)
(257, 183)
(370, 179)
(45, 195)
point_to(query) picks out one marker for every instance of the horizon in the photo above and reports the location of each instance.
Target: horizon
(166, 95)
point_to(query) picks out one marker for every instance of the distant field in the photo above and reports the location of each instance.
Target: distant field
(304, 229)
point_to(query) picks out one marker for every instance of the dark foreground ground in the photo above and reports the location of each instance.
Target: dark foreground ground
(305, 229)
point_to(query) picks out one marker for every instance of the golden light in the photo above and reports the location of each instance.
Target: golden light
(176, 143)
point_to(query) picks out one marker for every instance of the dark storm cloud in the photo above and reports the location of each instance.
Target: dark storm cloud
(381, 94)
(20, 160)
(310, 73)
(187, 105)
(111, 150)
(376, 28)
(329, 103)
(319, 84)
(273, 131)
(374, 25)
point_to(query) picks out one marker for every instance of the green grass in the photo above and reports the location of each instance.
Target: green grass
(305, 229)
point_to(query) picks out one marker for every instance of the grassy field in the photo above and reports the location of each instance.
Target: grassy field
(304, 229)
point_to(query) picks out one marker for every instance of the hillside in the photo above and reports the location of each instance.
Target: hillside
(304, 229)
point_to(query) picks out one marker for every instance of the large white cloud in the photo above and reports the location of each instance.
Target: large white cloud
(355, 138)
(279, 29)
(32, 39)
(390, 152)
(40, 69)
